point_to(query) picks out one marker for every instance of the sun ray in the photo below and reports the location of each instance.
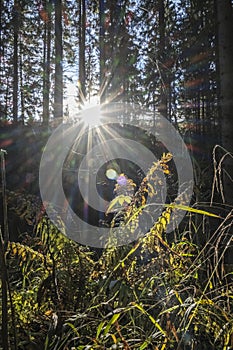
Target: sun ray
(78, 139)
(81, 94)
(104, 86)
(115, 94)
(91, 114)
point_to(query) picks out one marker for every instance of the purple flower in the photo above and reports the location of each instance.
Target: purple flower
(122, 180)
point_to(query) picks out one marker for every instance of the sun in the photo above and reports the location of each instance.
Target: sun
(91, 114)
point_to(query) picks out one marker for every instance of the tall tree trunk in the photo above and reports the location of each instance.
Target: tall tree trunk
(22, 118)
(1, 55)
(16, 19)
(47, 63)
(225, 54)
(58, 89)
(102, 49)
(163, 88)
(82, 39)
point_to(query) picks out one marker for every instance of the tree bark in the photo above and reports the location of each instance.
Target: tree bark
(225, 55)
(163, 89)
(47, 63)
(58, 89)
(82, 39)
(16, 19)
(22, 117)
(102, 49)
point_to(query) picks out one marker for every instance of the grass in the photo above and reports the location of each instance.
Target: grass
(155, 293)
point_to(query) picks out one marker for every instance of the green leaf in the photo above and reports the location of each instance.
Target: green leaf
(99, 329)
(111, 322)
(144, 345)
(155, 323)
(74, 329)
(169, 310)
(135, 247)
(117, 203)
(191, 210)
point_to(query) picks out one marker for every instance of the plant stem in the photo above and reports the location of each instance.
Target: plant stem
(4, 199)
(3, 248)
(5, 344)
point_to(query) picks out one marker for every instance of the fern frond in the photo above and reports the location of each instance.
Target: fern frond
(25, 253)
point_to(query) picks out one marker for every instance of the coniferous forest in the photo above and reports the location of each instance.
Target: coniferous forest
(116, 193)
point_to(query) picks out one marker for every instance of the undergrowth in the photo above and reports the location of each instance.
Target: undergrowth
(155, 293)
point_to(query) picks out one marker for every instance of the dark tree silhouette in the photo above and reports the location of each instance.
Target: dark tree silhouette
(58, 88)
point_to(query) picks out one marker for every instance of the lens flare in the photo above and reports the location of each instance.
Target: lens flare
(111, 174)
(91, 114)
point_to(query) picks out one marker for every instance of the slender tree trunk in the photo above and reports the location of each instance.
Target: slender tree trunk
(102, 49)
(21, 85)
(47, 63)
(82, 39)
(225, 54)
(16, 19)
(1, 55)
(58, 89)
(163, 88)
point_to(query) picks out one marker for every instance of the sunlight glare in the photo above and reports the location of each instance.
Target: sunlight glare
(111, 174)
(91, 114)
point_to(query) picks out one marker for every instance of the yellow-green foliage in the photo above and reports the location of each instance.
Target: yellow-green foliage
(155, 293)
